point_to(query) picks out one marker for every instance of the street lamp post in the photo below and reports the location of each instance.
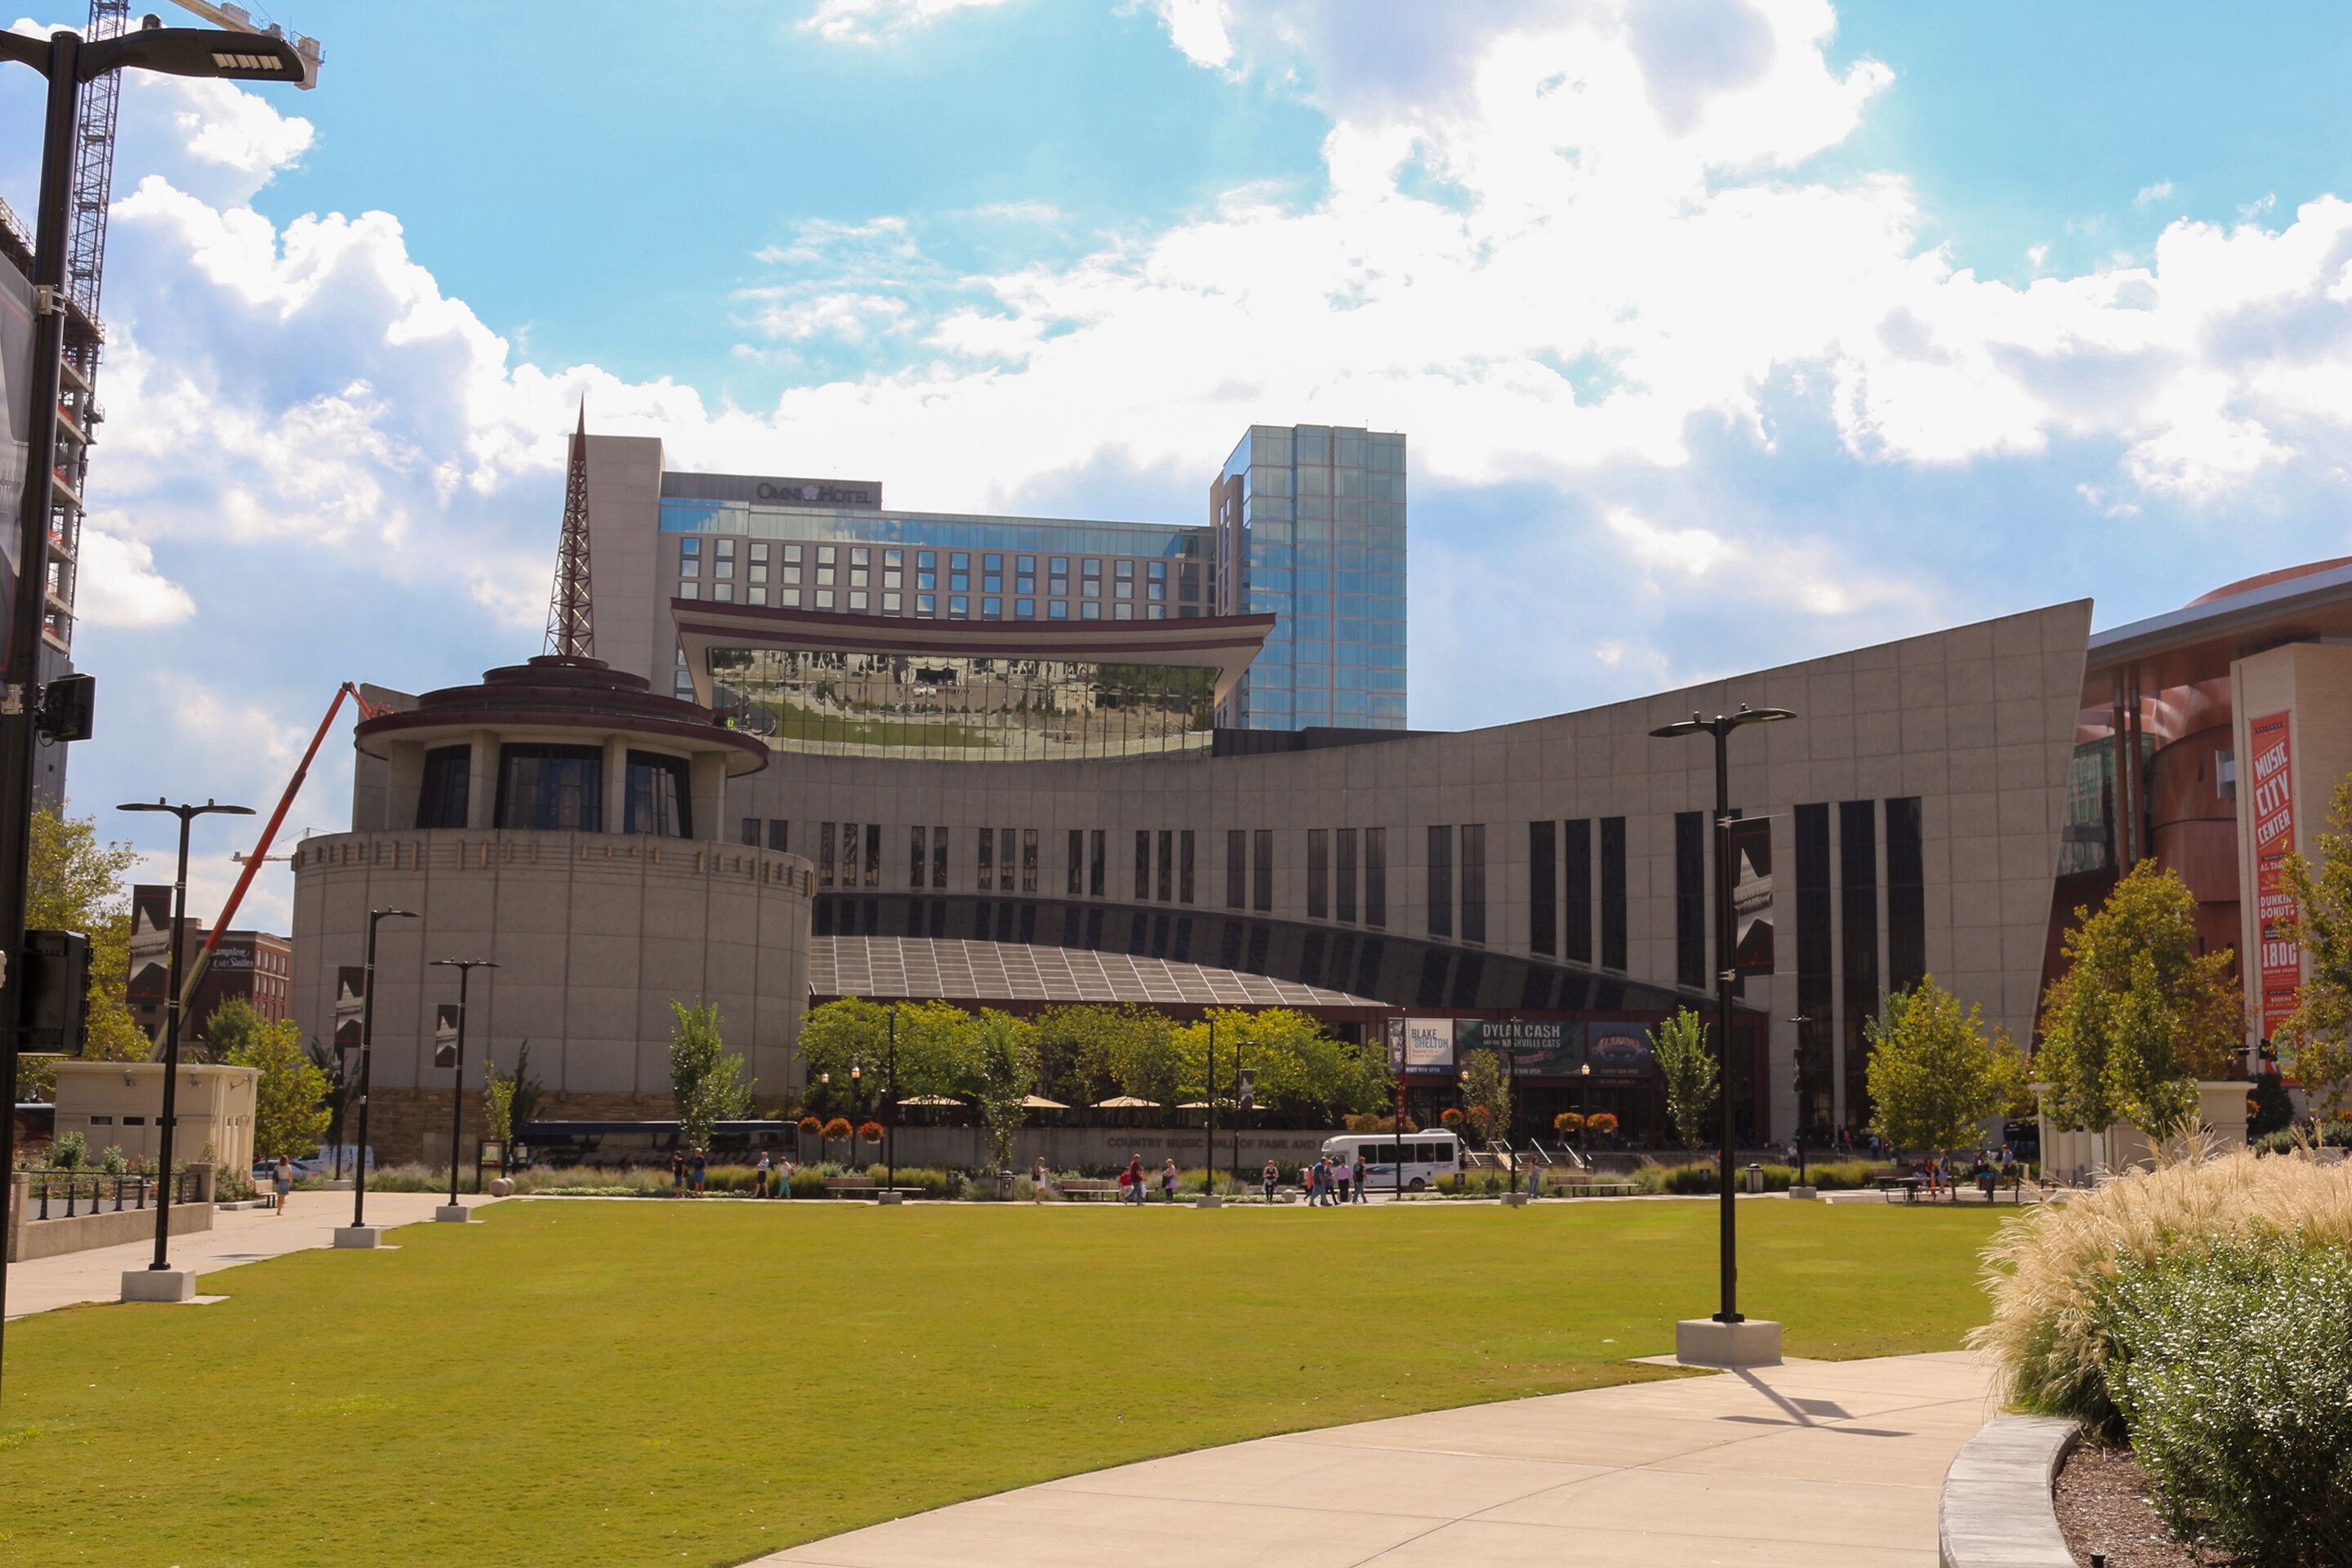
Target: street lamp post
(184, 1288)
(856, 1104)
(68, 62)
(1797, 1123)
(465, 968)
(1585, 1113)
(890, 1128)
(1724, 1344)
(1237, 1108)
(358, 1234)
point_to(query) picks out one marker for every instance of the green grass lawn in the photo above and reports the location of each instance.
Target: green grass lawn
(600, 1383)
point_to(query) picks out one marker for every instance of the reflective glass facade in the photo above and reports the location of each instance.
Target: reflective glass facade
(1308, 522)
(955, 707)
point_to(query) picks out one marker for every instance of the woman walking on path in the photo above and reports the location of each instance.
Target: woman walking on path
(1339, 1179)
(701, 1168)
(677, 1173)
(1037, 1180)
(282, 1181)
(761, 1191)
(1168, 1181)
(1359, 1176)
(1271, 1178)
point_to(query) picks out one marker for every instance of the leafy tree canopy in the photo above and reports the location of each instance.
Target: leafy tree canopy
(1934, 1074)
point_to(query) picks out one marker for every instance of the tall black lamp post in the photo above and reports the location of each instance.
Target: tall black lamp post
(1720, 727)
(890, 1128)
(68, 62)
(1585, 1113)
(465, 968)
(1797, 1123)
(187, 814)
(359, 1234)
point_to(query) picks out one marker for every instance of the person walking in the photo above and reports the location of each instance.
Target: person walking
(281, 1180)
(1359, 1176)
(761, 1190)
(1270, 1178)
(1341, 1180)
(1325, 1178)
(677, 1173)
(1168, 1181)
(702, 1170)
(1037, 1180)
(1132, 1179)
(1307, 1183)
(1535, 1179)
(783, 1175)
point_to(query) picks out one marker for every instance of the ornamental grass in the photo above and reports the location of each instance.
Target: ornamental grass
(2050, 1268)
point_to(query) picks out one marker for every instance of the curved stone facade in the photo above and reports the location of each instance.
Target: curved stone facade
(596, 934)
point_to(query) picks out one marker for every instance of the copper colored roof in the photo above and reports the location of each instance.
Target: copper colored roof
(928, 968)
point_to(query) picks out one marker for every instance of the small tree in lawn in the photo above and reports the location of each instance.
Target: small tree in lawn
(510, 1102)
(1688, 1067)
(290, 1111)
(1486, 1094)
(1003, 1065)
(705, 1083)
(1934, 1074)
(2315, 1041)
(2139, 1015)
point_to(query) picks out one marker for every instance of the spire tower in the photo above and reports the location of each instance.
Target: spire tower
(570, 632)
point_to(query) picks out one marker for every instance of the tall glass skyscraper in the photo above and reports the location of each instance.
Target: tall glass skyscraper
(1308, 522)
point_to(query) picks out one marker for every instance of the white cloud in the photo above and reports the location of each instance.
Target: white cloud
(1197, 29)
(849, 318)
(119, 586)
(2149, 196)
(1020, 212)
(879, 21)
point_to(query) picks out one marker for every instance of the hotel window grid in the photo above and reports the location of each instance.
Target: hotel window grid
(1004, 859)
(1097, 867)
(1347, 877)
(1318, 874)
(1441, 881)
(1376, 876)
(1858, 910)
(780, 835)
(1028, 859)
(987, 863)
(1077, 882)
(752, 832)
(918, 856)
(824, 855)
(551, 788)
(1906, 895)
(938, 860)
(659, 801)
(1142, 866)
(1167, 865)
(1576, 889)
(1816, 993)
(1690, 899)
(1236, 869)
(1185, 867)
(442, 799)
(1261, 870)
(1474, 881)
(849, 854)
(1543, 888)
(1612, 892)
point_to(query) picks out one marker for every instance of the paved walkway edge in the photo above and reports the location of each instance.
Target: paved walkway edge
(1997, 1510)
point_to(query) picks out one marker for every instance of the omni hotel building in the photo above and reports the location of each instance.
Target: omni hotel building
(820, 738)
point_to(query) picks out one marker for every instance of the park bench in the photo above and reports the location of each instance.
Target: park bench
(1573, 1189)
(863, 1187)
(1088, 1191)
(2014, 1181)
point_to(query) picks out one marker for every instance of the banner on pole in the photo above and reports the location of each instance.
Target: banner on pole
(2273, 772)
(150, 945)
(17, 468)
(1751, 895)
(1429, 1044)
(444, 1035)
(350, 997)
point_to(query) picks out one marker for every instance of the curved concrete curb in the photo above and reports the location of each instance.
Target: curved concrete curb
(1996, 1510)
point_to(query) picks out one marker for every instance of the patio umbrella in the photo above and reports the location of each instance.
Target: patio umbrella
(1126, 1102)
(1039, 1102)
(931, 1099)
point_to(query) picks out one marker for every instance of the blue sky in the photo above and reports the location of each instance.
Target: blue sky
(1725, 333)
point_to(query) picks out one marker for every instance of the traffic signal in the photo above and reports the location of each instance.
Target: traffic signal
(55, 993)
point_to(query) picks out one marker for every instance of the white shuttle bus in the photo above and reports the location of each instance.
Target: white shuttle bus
(1426, 1157)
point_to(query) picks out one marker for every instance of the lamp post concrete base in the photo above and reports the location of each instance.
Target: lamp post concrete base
(1804, 1192)
(454, 1213)
(159, 1284)
(1208, 1201)
(892, 1196)
(1515, 1200)
(359, 1236)
(1703, 1342)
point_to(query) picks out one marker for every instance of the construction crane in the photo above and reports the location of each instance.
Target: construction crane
(93, 192)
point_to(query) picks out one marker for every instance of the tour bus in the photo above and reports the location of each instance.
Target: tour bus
(1427, 1156)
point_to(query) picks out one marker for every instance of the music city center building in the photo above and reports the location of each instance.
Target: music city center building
(737, 780)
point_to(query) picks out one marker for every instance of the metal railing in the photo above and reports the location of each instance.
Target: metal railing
(65, 1194)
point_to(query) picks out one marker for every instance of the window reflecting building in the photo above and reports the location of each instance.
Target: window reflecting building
(1308, 522)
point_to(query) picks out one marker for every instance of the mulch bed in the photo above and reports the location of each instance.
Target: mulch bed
(2104, 1507)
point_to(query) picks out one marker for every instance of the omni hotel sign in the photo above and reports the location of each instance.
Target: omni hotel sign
(816, 492)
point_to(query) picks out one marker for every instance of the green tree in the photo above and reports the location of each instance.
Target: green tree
(76, 882)
(835, 1038)
(2314, 1042)
(1486, 1094)
(1304, 1073)
(1934, 1074)
(706, 1083)
(289, 1112)
(330, 1066)
(233, 1024)
(1688, 1067)
(2139, 1015)
(1144, 1060)
(933, 1054)
(1005, 1066)
(1076, 1048)
(510, 1101)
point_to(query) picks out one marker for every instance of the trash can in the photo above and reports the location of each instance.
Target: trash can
(1754, 1178)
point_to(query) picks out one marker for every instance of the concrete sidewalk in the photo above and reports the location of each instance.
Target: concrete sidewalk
(1809, 1462)
(238, 1236)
